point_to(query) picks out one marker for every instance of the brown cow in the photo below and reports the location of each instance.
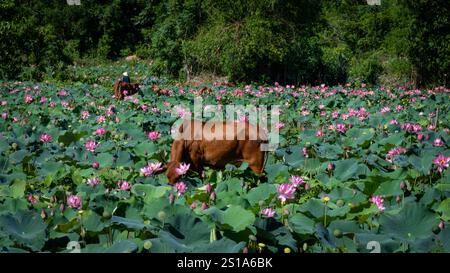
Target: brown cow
(122, 89)
(161, 91)
(191, 146)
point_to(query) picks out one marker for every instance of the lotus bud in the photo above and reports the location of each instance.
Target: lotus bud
(162, 215)
(307, 186)
(95, 165)
(330, 167)
(212, 197)
(403, 185)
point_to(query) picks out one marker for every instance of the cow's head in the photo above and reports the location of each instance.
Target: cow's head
(171, 172)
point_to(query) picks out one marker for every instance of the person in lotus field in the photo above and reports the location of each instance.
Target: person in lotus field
(125, 77)
(123, 87)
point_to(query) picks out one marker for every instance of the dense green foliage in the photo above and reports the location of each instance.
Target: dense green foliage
(292, 41)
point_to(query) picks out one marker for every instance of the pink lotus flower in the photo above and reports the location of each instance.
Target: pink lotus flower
(28, 99)
(32, 199)
(305, 152)
(46, 138)
(193, 205)
(385, 110)
(124, 185)
(335, 115)
(101, 119)
(180, 188)
(182, 112)
(151, 168)
(442, 162)
(438, 142)
(74, 201)
(269, 212)
(64, 104)
(52, 104)
(279, 125)
(182, 169)
(378, 201)
(154, 135)
(319, 133)
(285, 191)
(296, 180)
(243, 119)
(155, 110)
(144, 107)
(109, 112)
(91, 145)
(93, 181)
(84, 114)
(393, 122)
(155, 166)
(394, 152)
(100, 131)
(204, 206)
(398, 108)
(43, 100)
(341, 128)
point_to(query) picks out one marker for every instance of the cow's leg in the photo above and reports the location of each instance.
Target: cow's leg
(255, 158)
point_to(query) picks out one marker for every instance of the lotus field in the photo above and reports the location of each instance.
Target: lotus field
(357, 169)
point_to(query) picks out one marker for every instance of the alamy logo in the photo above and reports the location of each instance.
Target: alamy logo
(73, 2)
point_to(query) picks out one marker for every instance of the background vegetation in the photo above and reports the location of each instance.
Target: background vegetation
(289, 41)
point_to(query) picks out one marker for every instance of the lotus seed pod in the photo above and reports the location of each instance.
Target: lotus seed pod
(106, 215)
(287, 250)
(148, 244)
(147, 222)
(340, 203)
(337, 233)
(261, 203)
(162, 215)
(14, 145)
(305, 246)
(252, 237)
